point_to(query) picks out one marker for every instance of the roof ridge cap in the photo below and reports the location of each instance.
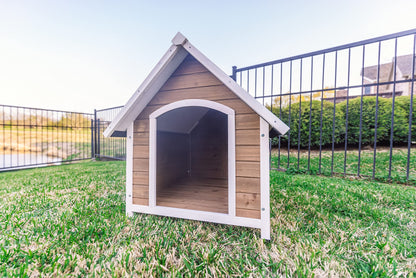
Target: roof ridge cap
(179, 39)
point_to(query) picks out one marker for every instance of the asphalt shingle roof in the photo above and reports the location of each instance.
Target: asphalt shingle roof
(371, 72)
(404, 64)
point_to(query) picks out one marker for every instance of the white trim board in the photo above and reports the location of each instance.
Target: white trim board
(150, 86)
(163, 70)
(264, 179)
(192, 102)
(129, 169)
(214, 217)
(231, 146)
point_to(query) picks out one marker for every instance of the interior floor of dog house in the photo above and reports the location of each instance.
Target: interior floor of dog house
(192, 159)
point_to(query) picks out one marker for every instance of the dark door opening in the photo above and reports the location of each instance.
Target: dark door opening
(192, 159)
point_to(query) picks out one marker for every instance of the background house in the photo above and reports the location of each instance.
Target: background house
(404, 65)
(386, 75)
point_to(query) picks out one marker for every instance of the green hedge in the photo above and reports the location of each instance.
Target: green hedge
(401, 121)
(368, 119)
(315, 116)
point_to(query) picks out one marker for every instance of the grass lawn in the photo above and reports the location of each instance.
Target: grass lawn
(70, 220)
(398, 171)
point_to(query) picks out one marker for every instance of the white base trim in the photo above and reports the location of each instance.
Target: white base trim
(214, 217)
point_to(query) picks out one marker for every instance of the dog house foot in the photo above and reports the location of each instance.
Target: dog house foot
(129, 213)
(265, 234)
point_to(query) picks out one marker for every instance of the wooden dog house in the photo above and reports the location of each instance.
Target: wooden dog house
(197, 144)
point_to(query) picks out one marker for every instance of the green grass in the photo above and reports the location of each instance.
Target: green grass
(398, 169)
(70, 221)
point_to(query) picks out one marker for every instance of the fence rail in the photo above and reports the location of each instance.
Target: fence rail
(350, 108)
(32, 137)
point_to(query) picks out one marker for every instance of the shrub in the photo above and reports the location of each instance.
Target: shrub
(327, 123)
(368, 119)
(401, 119)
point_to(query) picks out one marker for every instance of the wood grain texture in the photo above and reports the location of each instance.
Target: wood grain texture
(196, 194)
(140, 201)
(141, 178)
(247, 121)
(250, 213)
(141, 139)
(248, 153)
(248, 185)
(247, 137)
(248, 169)
(140, 191)
(189, 66)
(141, 126)
(200, 79)
(238, 105)
(141, 151)
(149, 109)
(141, 164)
(248, 201)
(214, 93)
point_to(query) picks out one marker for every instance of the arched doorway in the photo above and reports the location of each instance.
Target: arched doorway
(192, 143)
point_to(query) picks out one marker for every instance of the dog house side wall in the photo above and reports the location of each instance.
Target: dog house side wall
(193, 81)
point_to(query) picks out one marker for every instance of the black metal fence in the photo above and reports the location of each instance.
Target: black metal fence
(111, 147)
(350, 108)
(32, 137)
(37, 137)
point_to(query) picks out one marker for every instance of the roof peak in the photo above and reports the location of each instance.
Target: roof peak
(177, 52)
(179, 39)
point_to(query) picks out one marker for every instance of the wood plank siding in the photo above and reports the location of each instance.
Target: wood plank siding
(193, 81)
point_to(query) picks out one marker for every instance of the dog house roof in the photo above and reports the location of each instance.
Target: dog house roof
(170, 61)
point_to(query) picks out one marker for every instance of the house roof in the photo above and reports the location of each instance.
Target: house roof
(176, 53)
(371, 72)
(404, 64)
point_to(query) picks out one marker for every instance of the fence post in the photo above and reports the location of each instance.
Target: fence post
(97, 153)
(234, 74)
(95, 133)
(92, 139)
